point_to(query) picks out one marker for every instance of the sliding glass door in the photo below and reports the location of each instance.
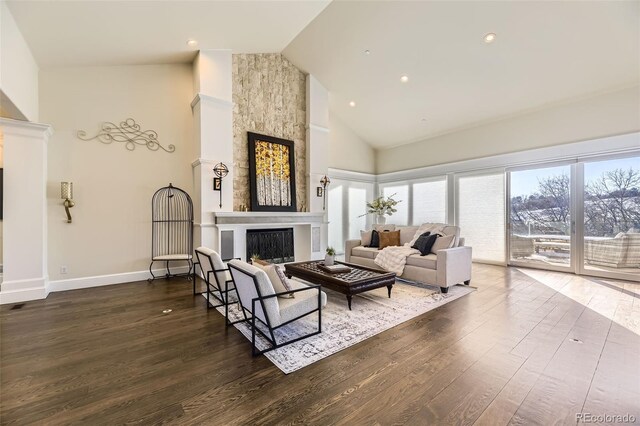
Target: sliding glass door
(540, 217)
(611, 206)
(580, 217)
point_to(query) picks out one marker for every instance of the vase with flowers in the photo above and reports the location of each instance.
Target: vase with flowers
(381, 207)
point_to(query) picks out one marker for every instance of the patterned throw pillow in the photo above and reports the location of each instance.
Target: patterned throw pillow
(285, 281)
(388, 239)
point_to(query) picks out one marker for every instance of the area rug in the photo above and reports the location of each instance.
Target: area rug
(372, 313)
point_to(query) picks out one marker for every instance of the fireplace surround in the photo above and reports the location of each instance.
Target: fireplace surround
(275, 245)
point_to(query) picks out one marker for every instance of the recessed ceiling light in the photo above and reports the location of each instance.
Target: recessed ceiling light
(352, 104)
(404, 78)
(367, 52)
(192, 43)
(489, 38)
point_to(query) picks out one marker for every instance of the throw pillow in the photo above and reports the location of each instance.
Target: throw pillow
(389, 239)
(365, 238)
(382, 228)
(443, 242)
(275, 276)
(375, 239)
(424, 243)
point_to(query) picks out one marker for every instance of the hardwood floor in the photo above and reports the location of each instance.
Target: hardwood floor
(501, 355)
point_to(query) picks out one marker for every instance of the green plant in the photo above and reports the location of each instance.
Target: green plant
(382, 206)
(331, 251)
(255, 256)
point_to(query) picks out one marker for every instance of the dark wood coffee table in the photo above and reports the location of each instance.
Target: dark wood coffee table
(358, 280)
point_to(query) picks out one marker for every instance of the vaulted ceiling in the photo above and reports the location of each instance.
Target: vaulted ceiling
(544, 52)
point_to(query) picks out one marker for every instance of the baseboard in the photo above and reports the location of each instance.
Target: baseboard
(101, 280)
(22, 294)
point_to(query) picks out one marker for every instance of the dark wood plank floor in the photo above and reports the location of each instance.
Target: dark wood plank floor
(501, 355)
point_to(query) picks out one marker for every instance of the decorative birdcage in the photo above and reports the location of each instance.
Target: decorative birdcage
(172, 230)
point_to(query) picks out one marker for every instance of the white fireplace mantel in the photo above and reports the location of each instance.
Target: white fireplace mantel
(309, 228)
(267, 218)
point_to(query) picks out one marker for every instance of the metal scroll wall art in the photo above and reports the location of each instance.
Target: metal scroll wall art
(128, 133)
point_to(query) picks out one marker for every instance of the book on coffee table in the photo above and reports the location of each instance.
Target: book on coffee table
(334, 269)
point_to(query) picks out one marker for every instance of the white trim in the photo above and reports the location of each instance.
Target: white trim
(318, 128)
(25, 128)
(22, 295)
(102, 280)
(205, 225)
(351, 175)
(201, 161)
(199, 97)
(620, 144)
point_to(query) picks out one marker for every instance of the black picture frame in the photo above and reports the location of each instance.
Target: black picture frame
(257, 203)
(319, 191)
(217, 184)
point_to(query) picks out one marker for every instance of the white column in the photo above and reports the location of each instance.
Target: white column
(317, 152)
(213, 120)
(25, 211)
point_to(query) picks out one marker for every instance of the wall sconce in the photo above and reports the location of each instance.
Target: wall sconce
(66, 193)
(325, 181)
(221, 170)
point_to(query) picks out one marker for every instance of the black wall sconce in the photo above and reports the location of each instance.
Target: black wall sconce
(322, 191)
(221, 170)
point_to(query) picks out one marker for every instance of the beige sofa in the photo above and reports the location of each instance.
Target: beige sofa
(446, 268)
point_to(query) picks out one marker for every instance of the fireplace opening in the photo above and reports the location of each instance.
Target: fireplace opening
(272, 245)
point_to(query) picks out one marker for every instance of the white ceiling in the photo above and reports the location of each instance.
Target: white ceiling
(545, 53)
(84, 33)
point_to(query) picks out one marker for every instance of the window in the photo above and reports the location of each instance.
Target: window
(429, 203)
(400, 193)
(480, 214)
(357, 211)
(334, 201)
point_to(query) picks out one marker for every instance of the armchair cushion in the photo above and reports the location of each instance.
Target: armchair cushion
(305, 301)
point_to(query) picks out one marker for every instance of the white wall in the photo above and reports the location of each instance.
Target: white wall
(604, 115)
(346, 150)
(111, 229)
(18, 69)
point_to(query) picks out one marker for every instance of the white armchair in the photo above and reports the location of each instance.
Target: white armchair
(259, 302)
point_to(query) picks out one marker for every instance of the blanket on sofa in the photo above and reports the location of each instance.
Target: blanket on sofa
(394, 258)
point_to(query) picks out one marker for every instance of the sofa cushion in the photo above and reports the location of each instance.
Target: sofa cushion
(366, 252)
(388, 239)
(365, 237)
(443, 242)
(406, 233)
(428, 261)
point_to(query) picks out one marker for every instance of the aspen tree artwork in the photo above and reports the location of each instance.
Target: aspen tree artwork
(272, 174)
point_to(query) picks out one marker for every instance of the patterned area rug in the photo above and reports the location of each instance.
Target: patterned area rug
(373, 312)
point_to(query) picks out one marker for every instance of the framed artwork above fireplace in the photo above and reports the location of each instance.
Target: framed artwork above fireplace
(272, 175)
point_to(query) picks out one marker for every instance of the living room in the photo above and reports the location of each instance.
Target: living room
(507, 131)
